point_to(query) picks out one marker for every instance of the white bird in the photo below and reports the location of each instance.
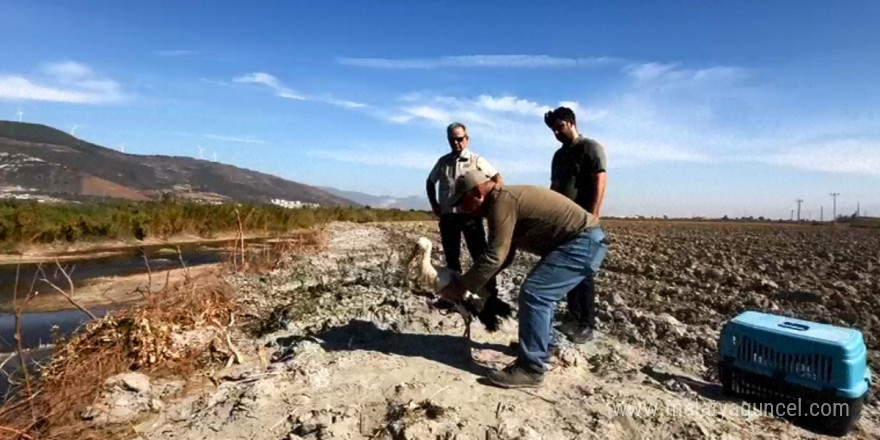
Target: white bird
(437, 277)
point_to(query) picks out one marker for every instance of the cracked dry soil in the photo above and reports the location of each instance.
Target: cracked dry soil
(338, 346)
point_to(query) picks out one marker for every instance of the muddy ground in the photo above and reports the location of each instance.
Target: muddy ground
(339, 346)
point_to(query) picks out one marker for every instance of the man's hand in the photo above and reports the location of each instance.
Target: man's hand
(436, 209)
(453, 291)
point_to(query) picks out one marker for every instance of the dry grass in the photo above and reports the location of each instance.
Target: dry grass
(272, 252)
(134, 339)
(138, 338)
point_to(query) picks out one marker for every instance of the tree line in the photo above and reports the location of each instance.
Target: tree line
(24, 222)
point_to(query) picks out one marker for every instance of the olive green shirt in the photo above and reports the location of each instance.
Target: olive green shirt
(523, 217)
(573, 168)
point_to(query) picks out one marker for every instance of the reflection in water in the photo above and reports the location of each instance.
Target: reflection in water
(129, 262)
(36, 328)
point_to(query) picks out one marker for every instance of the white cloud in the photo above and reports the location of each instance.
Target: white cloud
(401, 119)
(510, 61)
(850, 156)
(513, 124)
(429, 113)
(65, 81)
(68, 70)
(512, 104)
(281, 90)
(344, 103)
(668, 76)
(664, 114)
(270, 81)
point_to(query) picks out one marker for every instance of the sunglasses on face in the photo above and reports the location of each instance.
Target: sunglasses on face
(457, 139)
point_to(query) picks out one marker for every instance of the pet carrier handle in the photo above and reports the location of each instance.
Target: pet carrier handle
(794, 326)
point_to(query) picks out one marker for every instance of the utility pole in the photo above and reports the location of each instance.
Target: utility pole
(792, 215)
(822, 213)
(799, 201)
(834, 210)
(858, 209)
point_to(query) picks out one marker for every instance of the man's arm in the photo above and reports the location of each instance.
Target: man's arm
(593, 165)
(430, 188)
(501, 222)
(432, 197)
(511, 254)
(486, 167)
(600, 180)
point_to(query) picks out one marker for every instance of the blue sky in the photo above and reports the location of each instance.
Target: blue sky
(704, 108)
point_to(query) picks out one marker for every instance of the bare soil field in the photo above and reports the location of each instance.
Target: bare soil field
(338, 345)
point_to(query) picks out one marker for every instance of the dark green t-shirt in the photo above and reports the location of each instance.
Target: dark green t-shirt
(573, 168)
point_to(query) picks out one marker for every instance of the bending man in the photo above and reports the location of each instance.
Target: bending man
(569, 240)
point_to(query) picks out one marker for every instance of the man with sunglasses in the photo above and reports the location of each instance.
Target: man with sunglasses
(578, 172)
(453, 222)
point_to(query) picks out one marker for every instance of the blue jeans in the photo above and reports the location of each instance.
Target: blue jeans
(548, 282)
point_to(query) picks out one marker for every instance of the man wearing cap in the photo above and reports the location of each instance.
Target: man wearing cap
(453, 222)
(578, 172)
(569, 240)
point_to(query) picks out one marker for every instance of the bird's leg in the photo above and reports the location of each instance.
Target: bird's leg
(467, 336)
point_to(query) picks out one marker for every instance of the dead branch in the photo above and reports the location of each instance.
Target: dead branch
(183, 264)
(240, 241)
(68, 296)
(149, 272)
(167, 279)
(16, 432)
(18, 338)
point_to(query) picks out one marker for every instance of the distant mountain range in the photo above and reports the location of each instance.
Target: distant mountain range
(411, 202)
(40, 160)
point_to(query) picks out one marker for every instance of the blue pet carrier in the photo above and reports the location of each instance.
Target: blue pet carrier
(777, 360)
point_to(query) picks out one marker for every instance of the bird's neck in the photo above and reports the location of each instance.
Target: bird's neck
(427, 267)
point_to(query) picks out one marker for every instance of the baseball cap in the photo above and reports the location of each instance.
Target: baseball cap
(465, 183)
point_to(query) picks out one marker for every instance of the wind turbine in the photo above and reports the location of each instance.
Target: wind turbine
(20, 114)
(122, 148)
(73, 130)
(201, 152)
(214, 156)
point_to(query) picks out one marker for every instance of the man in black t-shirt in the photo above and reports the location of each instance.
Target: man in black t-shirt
(578, 172)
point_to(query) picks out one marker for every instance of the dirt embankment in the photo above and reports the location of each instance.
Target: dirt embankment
(107, 291)
(47, 253)
(339, 345)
